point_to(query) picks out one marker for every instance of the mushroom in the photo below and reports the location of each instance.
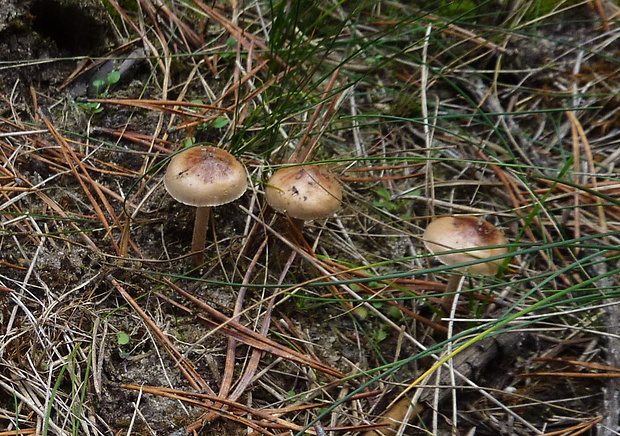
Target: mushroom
(204, 177)
(306, 192)
(461, 232)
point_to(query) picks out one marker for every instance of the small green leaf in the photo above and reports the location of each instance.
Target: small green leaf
(380, 335)
(99, 83)
(394, 312)
(94, 108)
(220, 122)
(114, 77)
(195, 109)
(122, 338)
(189, 141)
(383, 193)
(361, 312)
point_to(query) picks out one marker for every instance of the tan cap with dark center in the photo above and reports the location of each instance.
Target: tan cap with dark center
(205, 176)
(460, 232)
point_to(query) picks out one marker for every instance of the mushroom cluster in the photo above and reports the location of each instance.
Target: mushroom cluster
(205, 176)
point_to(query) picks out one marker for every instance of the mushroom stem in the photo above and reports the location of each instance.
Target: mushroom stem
(295, 228)
(454, 282)
(199, 236)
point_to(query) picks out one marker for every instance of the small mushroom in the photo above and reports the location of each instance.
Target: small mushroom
(306, 192)
(465, 232)
(461, 232)
(204, 177)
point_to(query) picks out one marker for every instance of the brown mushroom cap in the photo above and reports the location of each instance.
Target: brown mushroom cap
(459, 232)
(205, 176)
(304, 192)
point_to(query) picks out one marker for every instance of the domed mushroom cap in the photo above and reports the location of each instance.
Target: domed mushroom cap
(205, 176)
(460, 232)
(304, 192)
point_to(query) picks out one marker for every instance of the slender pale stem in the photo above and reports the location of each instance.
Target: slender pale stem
(199, 237)
(454, 283)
